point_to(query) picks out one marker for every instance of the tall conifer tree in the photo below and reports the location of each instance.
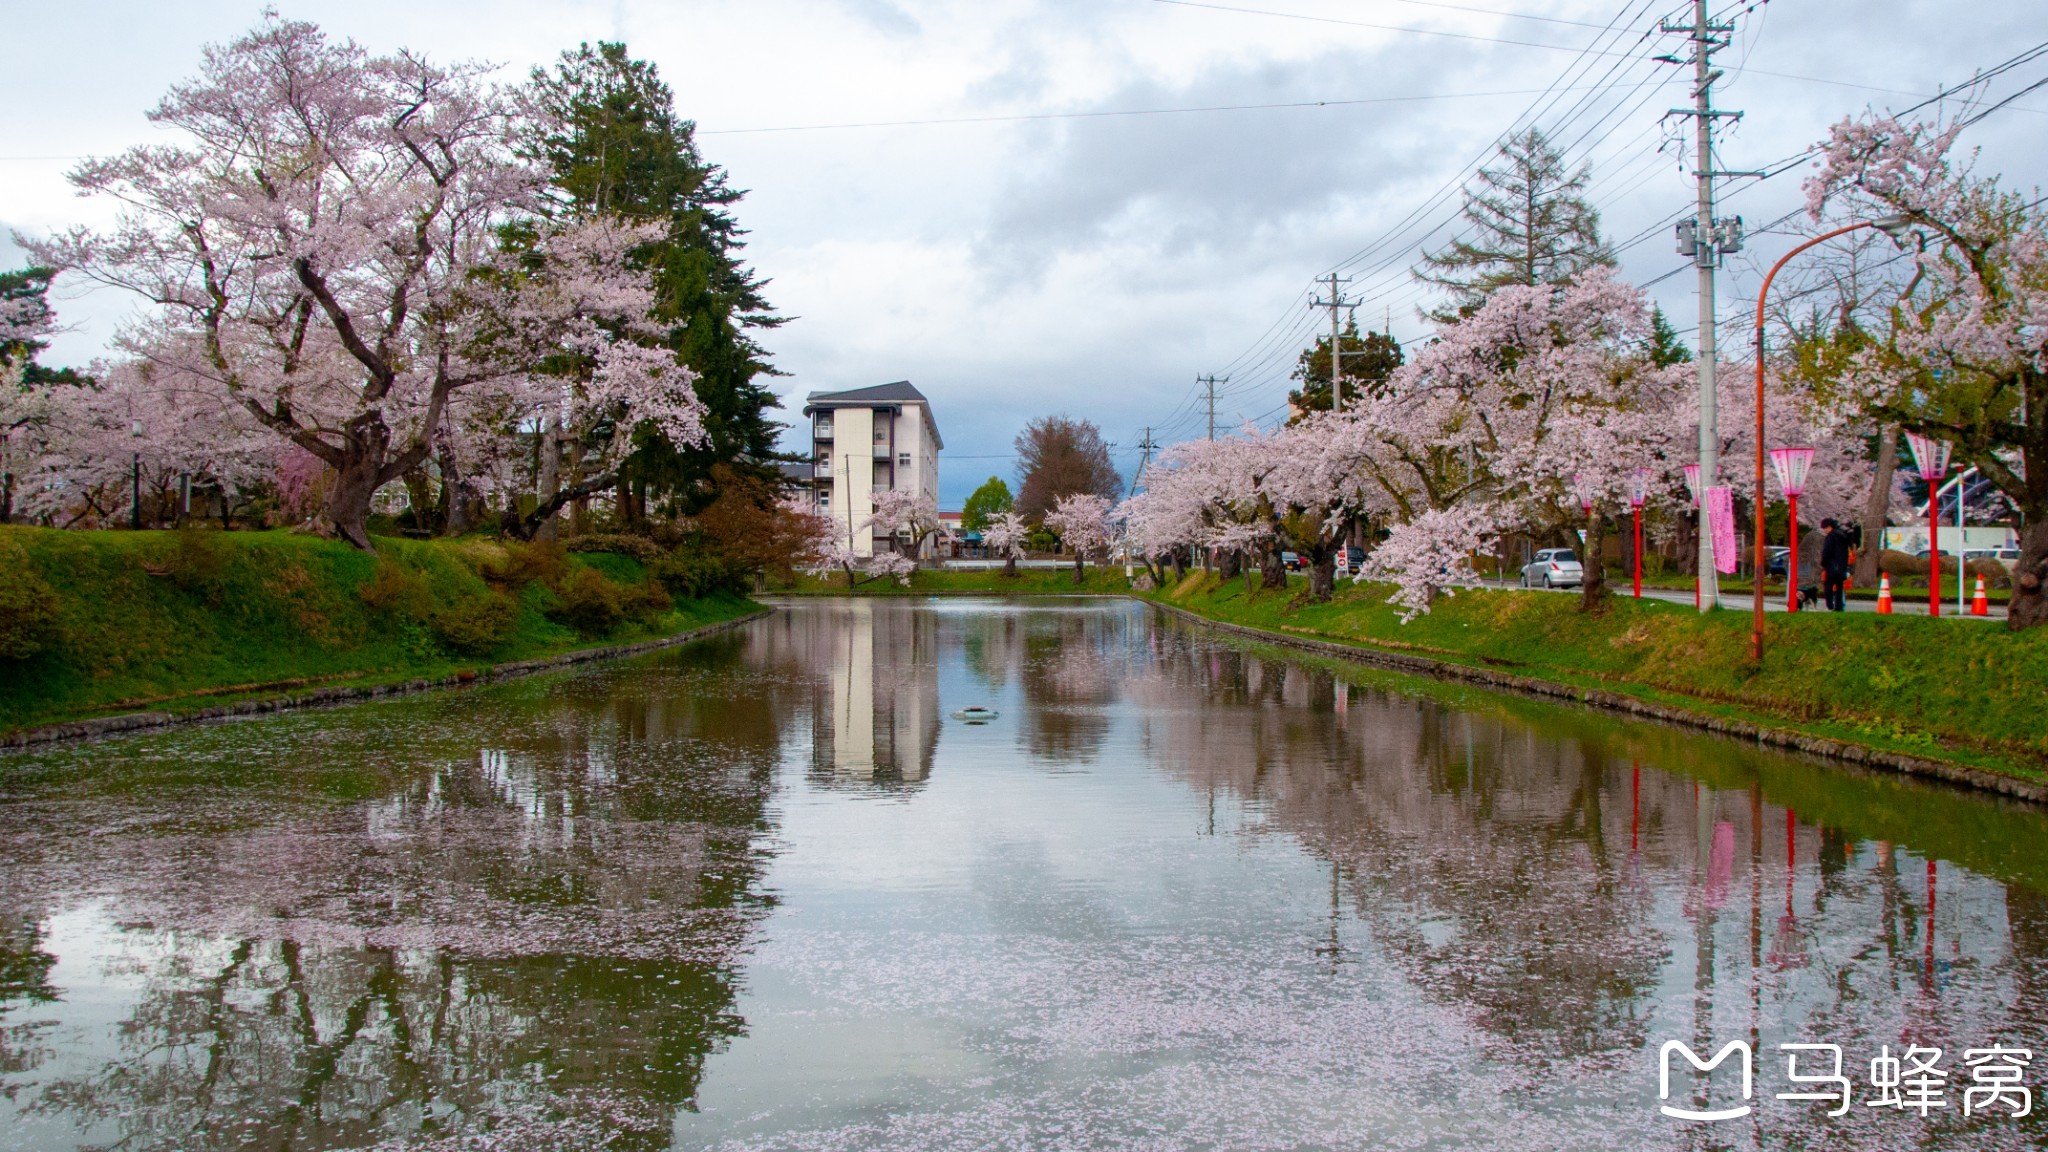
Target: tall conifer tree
(1528, 223)
(615, 144)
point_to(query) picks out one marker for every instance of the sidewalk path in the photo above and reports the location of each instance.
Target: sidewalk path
(1775, 601)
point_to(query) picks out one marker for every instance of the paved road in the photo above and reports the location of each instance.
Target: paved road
(1775, 602)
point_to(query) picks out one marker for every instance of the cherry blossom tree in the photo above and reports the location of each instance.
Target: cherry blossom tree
(1541, 399)
(905, 515)
(1429, 556)
(1082, 522)
(325, 248)
(1005, 534)
(1967, 361)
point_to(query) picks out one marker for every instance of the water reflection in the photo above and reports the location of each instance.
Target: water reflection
(1181, 893)
(517, 911)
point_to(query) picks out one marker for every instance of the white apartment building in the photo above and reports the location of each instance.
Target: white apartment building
(870, 440)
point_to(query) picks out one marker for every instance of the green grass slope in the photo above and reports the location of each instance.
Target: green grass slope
(93, 623)
(1962, 690)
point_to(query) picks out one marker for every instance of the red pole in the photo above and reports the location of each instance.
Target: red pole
(1639, 551)
(1792, 560)
(1756, 628)
(1933, 551)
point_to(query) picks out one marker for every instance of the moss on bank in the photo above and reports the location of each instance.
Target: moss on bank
(174, 621)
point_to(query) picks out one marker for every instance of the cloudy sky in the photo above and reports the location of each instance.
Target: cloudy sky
(1031, 206)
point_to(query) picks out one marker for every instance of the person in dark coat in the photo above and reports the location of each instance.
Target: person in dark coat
(1834, 563)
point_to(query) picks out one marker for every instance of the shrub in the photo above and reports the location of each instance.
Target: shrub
(28, 608)
(520, 564)
(197, 562)
(646, 602)
(693, 573)
(589, 603)
(396, 591)
(638, 547)
(477, 625)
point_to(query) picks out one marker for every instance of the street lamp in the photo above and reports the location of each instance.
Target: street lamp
(1896, 227)
(1639, 491)
(1930, 457)
(1692, 485)
(1791, 464)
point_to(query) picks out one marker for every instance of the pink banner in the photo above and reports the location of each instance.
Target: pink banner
(1720, 511)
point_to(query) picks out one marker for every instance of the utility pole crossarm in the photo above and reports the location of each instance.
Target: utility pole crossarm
(1336, 304)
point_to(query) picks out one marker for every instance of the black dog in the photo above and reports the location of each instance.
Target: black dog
(1808, 597)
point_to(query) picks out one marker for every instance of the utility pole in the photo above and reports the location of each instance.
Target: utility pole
(1706, 239)
(1336, 303)
(1211, 382)
(1146, 446)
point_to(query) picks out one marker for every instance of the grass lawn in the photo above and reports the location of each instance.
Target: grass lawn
(170, 621)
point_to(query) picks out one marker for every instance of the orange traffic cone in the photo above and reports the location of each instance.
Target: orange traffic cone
(1884, 595)
(1980, 604)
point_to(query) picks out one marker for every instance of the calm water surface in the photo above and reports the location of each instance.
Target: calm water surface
(767, 892)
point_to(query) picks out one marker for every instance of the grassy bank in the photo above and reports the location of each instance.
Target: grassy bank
(95, 623)
(1971, 694)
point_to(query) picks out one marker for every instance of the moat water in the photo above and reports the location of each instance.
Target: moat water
(767, 891)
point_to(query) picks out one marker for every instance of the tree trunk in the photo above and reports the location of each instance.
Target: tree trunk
(1322, 575)
(1080, 577)
(1180, 565)
(2029, 607)
(1010, 566)
(1228, 564)
(543, 527)
(1593, 562)
(1877, 508)
(1272, 570)
(366, 443)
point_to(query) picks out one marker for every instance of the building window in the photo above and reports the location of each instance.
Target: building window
(823, 428)
(903, 459)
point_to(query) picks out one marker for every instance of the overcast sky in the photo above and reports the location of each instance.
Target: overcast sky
(1045, 251)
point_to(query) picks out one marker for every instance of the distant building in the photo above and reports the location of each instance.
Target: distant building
(870, 440)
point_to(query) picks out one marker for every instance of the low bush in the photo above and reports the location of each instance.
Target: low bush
(646, 602)
(396, 591)
(692, 573)
(518, 564)
(589, 603)
(28, 608)
(477, 625)
(638, 547)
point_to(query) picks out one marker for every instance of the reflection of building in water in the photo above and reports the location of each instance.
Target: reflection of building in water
(881, 718)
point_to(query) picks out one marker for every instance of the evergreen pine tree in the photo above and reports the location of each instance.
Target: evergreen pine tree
(1665, 347)
(614, 144)
(1529, 224)
(1368, 361)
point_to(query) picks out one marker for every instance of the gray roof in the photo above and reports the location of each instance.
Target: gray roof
(879, 396)
(900, 392)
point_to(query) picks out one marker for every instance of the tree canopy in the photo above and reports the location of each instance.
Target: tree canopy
(1061, 456)
(610, 138)
(1368, 361)
(986, 503)
(1527, 223)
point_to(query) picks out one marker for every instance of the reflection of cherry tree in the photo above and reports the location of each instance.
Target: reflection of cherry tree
(533, 937)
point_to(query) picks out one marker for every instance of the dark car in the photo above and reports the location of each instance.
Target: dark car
(1777, 563)
(1293, 561)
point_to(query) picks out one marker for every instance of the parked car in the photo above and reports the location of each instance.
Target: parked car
(1553, 568)
(2010, 557)
(1777, 562)
(1293, 561)
(1350, 559)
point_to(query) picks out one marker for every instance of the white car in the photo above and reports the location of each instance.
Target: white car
(1553, 568)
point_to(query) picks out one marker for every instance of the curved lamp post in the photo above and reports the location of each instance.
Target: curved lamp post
(1930, 459)
(1638, 491)
(1791, 464)
(1895, 227)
